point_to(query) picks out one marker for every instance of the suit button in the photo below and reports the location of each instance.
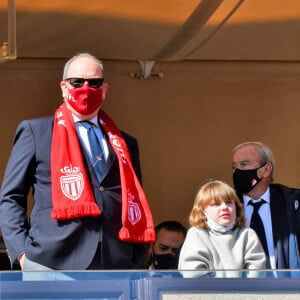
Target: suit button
(101, 189)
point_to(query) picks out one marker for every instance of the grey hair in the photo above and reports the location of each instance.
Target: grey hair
(67, 64)
(265, 154)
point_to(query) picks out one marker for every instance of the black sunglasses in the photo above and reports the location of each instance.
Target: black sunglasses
(92, 82)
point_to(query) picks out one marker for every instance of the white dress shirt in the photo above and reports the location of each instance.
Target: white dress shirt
(265, 215)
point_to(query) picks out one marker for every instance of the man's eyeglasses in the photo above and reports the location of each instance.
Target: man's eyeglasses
(92, 82)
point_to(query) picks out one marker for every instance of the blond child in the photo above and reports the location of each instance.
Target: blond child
(218, 239)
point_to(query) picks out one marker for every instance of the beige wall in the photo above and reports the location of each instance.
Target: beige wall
(186, 122)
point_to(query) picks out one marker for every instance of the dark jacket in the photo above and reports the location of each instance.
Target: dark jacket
(285, 214)
(69, 244)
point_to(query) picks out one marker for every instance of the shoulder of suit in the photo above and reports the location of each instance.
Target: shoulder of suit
(37, 125)
(38, 121)
(128, 137)
(291, 196)
(283, 188)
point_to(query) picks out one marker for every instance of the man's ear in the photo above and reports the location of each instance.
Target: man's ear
(64, 89)
(150, 249)
(104, 90)
(267, 171)
(149, 255)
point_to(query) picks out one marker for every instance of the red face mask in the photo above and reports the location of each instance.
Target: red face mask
(85, 100)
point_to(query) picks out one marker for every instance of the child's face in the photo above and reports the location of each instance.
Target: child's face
(223, 213)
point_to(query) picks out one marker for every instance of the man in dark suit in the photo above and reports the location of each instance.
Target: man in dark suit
(80, 218)
(271, 209)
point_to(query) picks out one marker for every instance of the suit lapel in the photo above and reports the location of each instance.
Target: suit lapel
(280, 228)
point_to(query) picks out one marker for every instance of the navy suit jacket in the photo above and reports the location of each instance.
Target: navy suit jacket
(69, 244)
(285, 214)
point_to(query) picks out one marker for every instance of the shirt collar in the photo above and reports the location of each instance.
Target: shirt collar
(93, 120)
(265, 196)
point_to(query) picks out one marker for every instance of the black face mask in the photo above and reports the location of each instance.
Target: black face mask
(165, 261)
(245, 180)
(162, 261)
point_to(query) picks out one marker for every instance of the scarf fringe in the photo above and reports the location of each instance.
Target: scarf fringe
(148, 236)
(75, 211)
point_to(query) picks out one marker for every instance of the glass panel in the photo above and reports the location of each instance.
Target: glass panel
(148, 284)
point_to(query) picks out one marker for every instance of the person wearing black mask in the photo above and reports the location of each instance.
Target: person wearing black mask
(164, 253)
(272, 210)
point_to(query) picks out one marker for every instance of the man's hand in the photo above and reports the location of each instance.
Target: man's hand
(21, 260)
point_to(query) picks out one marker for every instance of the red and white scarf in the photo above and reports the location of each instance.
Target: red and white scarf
(72, 194)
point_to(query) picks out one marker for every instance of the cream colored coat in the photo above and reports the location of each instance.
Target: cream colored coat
(204, 249)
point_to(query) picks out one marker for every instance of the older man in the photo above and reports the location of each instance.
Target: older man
(271, 209)
(90, 211)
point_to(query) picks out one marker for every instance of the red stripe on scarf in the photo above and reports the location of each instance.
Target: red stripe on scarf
(72, 195)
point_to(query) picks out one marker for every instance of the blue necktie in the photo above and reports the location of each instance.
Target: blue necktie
(97, 159)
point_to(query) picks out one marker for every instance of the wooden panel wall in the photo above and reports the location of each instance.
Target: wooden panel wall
(186, 122)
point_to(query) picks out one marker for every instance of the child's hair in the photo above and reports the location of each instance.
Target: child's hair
(215, 192)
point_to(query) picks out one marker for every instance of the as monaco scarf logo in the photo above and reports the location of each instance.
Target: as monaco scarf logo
(71, 183)
(134, 212)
